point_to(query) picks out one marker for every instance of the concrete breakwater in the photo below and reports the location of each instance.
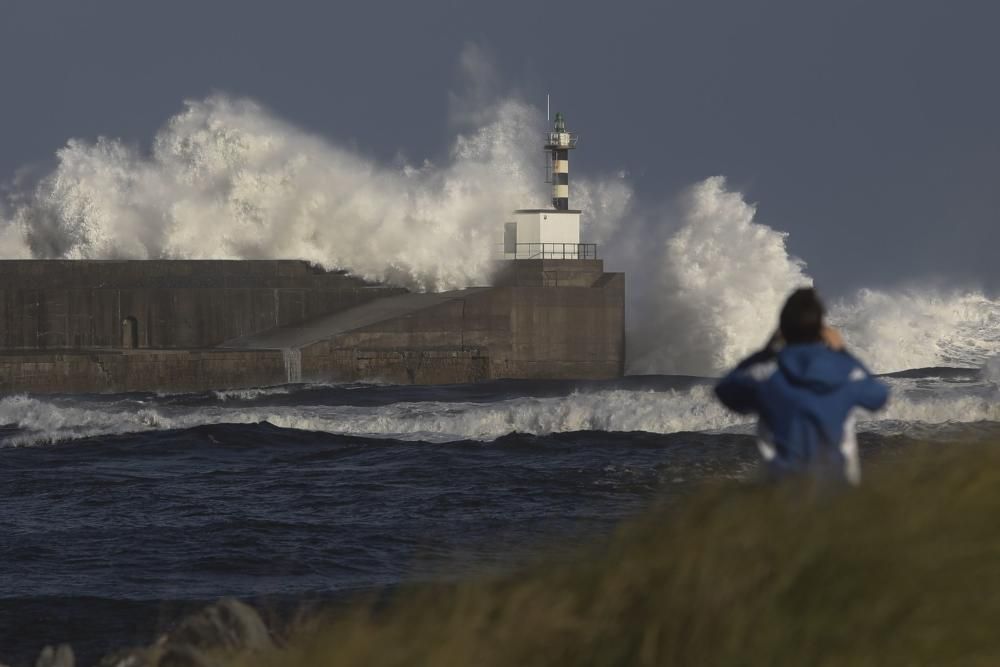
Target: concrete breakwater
(166, 325)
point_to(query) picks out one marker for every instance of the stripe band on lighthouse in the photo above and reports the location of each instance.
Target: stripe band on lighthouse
(559, 144)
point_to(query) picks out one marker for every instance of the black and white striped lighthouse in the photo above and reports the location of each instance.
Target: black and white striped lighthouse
(550, 233)
(560, 143)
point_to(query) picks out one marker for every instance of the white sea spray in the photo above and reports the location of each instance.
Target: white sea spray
(225, 178)
(720, 278)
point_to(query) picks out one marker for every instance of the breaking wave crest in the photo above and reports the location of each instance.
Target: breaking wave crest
(913, 328)
(225, 179)
(250, 394)
(722, 278)
(665, 412)
(36, 420)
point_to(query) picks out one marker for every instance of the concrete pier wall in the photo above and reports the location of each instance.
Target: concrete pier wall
(164, 304)
(139, 371)
(65, 327)
(503, 332)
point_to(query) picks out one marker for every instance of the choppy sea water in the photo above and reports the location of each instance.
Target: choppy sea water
(121, 512)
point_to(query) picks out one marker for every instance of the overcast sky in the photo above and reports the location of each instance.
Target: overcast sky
(868, 130)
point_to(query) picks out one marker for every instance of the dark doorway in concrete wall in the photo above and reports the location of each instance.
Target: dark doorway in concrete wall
(130, 333)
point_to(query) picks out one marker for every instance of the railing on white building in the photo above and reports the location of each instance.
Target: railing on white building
(548, 251)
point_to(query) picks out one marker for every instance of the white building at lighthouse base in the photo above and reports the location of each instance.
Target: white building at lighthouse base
(545, 234)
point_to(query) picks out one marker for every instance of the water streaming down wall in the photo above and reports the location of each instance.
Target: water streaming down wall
(293, 365)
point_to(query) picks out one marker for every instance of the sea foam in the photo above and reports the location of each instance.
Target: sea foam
(40, 420)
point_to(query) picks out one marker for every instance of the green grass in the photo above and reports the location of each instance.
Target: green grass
(902, 571)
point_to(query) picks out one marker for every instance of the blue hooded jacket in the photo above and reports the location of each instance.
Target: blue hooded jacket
(805, 396)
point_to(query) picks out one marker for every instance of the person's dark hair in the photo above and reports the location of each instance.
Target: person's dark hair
(802, 317)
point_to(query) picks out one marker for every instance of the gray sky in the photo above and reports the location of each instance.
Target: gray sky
(868, 130)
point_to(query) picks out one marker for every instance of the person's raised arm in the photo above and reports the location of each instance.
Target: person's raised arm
(738, 389)
(868, 392)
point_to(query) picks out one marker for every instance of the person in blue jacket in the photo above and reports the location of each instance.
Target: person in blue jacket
(804, 387)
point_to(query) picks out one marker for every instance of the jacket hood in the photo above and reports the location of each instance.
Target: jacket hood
(815, 366)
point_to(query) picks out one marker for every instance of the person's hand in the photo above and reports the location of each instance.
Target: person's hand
(776, 342)
(832, 338)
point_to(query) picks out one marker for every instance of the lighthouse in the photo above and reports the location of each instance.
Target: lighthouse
(559, 144)
(550, 233)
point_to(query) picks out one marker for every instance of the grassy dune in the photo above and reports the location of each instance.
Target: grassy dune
(903, 571)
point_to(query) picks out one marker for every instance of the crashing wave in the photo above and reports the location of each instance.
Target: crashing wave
(912, 328)
(721, 280)
(695, 409)
(226, 179)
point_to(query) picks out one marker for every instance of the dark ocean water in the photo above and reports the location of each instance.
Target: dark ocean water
(122, 512)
